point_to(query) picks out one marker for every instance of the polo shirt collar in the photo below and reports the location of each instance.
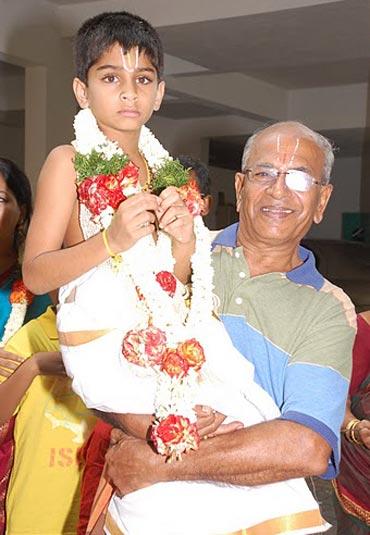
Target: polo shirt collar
(306, 273)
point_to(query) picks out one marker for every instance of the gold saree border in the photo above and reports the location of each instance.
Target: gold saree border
(350, 506)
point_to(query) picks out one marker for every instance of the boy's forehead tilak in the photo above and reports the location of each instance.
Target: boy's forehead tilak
(130, 58)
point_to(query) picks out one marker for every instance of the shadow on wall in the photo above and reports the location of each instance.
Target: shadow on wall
(225, 212)
(345, 264)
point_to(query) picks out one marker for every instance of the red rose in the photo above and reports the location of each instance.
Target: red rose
(174, 364)
(155, 343)
(192, 197)
(113, 187)
(144, 347)
(174, 435)
(133, 348)
(167, 282)
(95, 198)
(129, 175)
(193, 353)
(20, 294)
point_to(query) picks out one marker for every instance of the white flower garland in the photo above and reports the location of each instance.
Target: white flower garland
(15, 321)
(147, 258)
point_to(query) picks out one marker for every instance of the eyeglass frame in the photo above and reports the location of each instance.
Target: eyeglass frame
(278, 173)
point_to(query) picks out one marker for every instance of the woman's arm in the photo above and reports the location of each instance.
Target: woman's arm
(15, 386)
(46, 265)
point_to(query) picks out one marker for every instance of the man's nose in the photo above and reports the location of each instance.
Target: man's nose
(278, 187)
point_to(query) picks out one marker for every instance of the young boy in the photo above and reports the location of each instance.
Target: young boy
(119, 67)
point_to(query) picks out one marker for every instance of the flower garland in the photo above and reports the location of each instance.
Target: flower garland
(20, 298)
(163, 346)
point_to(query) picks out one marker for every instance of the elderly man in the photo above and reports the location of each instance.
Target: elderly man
(295, 326)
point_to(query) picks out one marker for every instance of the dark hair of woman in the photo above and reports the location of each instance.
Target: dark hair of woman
(20, 187)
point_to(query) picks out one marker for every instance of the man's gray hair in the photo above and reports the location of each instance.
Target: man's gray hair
(322, 142)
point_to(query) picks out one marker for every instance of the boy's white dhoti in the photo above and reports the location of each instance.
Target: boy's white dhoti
(95, 312)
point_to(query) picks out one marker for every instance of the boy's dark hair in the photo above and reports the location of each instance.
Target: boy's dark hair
(101, 32)
(201, 173)
(20, 187)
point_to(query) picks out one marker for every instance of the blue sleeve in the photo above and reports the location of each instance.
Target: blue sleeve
(38, 306)
(319, 405)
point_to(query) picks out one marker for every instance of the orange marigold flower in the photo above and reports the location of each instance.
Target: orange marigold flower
(193, 353)
(20, 294)
(174, 364)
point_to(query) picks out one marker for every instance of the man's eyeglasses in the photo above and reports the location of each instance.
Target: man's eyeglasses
(294, 179)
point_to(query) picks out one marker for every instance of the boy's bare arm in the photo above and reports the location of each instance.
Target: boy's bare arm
(46, 265)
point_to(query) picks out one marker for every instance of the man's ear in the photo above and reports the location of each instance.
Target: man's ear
(159, 96)
(80, 91)
(239, 183)
(325, 195)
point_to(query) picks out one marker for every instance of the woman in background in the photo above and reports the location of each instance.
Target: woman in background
(352, 486)
(17, 304)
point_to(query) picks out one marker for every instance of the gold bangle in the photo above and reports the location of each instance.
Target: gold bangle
(349, 431)
(116, 258)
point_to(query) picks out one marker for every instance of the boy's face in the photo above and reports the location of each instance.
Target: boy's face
(122, 90)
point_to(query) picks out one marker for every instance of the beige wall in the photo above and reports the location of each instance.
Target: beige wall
(47, 59)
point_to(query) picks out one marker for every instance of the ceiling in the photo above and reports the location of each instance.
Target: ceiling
(7, 69)
(321, 45)
(69, 2)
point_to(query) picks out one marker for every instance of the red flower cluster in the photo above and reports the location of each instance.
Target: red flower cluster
(144, 347)
(147, 347)
(174, 435)
(192, 197)
(20, 294)
(100, 191)
(167, 282)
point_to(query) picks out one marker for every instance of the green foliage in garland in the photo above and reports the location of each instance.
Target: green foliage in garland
(172, 173)
(89, 165)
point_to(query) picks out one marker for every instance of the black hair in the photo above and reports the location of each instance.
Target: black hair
(201, 173)
(20, 187)
(101, 32)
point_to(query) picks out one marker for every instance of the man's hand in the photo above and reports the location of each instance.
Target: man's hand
(8, 362)
(131, 463)
(209, 422)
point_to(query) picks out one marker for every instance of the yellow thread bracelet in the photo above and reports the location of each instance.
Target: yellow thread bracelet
(116, 258)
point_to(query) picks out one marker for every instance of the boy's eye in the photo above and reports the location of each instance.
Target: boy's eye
(110, 78)
(144, 80)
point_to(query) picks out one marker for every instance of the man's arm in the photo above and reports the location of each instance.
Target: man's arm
(264, 453)
(209, 422)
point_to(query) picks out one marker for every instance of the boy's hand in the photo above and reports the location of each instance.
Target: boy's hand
(174, 217)
(8, 362)
(134, 219)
